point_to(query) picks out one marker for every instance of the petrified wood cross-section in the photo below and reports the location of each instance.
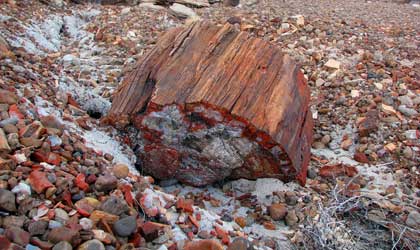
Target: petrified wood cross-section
(210, 102)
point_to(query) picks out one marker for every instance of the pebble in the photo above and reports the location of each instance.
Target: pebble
(203, 245)
(114, 205)
(407, 111)
(406, 100)
(291, 218)
(312, 173)
(106, 183)
(291, 198)
(277, 211)
(120, 170)
(240, 244)
(54, 224)
(318, 145)
(326, 139)
(8, 97)
(92, 245)
(38, 227)
(408, 152)
(97, 215)
(126, 226)
(17, 235)
(319, 82)
(62, 245)
(61, 216)
(7, 200)
(32, 247)
(63, 234)
(333, 64)
(13, 221)
(413, 219)
(411, 134)
(86, 224)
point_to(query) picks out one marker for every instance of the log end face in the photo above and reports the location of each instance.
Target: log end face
(199, 145)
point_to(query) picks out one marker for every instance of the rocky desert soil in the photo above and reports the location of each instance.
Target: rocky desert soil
(67, 181)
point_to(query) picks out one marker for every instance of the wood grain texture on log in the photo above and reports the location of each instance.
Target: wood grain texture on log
(227, 79)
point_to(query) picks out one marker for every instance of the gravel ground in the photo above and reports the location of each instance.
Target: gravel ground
(63, 174)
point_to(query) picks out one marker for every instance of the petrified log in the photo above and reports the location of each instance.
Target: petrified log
(210, 102)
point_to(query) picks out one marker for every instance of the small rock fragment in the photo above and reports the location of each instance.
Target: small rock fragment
(360, 157)
(121, 170)
(299, 20)
(114, 205)
(61, 216)
(62, 245)
(8, 97)
(332, 64)
(126, 226)
(368, 124)
(7, 200)
(18, 236)
(63, 234)
(38, 227)
(240, 244)
(92, 245)
(39, 181)
(291, 218)
(182, 11)
(106, 183)
(86, 224)
(100, 215)
(150, 230)
(277, 211)
(413, 219)
(203, 245)
(4, 144)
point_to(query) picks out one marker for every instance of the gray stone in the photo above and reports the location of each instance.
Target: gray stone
(61, 216)
(407, 111)
(58, 3)
(38, 227)
(114, 205)
(126, 226)
(406, 100)
(62, 245)
(13, 140)
(7, 200)
(92, 245)
(12, 120)
(182, 11)
(54, 224)
(413, 219)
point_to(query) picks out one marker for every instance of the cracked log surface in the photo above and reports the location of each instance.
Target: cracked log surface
(210, 102)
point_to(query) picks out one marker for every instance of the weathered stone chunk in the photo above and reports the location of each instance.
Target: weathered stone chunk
(7, 200)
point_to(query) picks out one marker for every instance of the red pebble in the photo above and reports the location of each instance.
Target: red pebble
(126, 189)
(190, 235)
(79, 181)
(39, 181)
(51, 214)
(91, 179)
(14, 111)
(186, 205)
(54, 159)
